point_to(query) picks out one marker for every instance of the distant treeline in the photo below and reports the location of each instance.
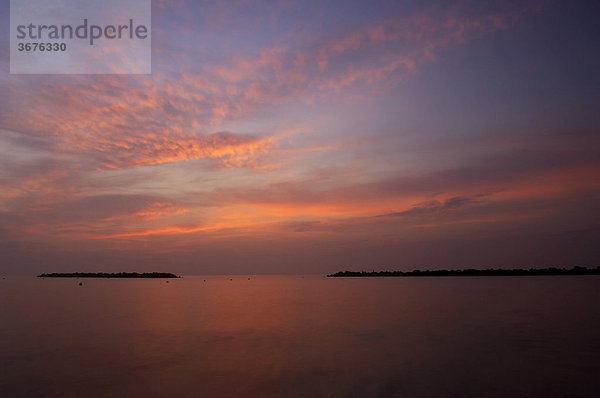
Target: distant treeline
(109, 275)
(476, 272)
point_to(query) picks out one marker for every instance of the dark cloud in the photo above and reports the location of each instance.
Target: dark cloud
(436, 207)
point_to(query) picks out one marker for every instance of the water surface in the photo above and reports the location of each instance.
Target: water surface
(301, 336)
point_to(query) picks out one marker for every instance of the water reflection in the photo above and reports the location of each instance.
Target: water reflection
(293, 336)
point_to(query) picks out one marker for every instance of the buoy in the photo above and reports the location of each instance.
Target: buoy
(80, 284)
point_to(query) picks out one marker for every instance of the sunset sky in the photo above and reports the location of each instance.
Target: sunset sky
(312, 137)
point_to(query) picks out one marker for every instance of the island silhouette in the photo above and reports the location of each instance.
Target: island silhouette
(109, 275)
(474, 272)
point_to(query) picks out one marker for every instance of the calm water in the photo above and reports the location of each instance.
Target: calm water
(292, 336)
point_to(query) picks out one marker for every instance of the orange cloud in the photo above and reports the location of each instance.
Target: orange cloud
(122, 122)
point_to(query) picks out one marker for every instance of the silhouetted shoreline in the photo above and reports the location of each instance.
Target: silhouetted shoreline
(109, 275)
(474, 272)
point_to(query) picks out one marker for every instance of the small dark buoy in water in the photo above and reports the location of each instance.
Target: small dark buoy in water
(230, 279)
(204, 280)
(80, 284)
(248, 278)
(167, 281)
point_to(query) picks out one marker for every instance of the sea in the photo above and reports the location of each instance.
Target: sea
(300, 336)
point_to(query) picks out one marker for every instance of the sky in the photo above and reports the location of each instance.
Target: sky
(312, 137)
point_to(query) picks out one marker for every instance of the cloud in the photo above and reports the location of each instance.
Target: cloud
(435, 207)
(48, 195)
(371, 54)
(208, 150)
(120, 122)
(109, 207)
(132, 121)
(228, 149)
